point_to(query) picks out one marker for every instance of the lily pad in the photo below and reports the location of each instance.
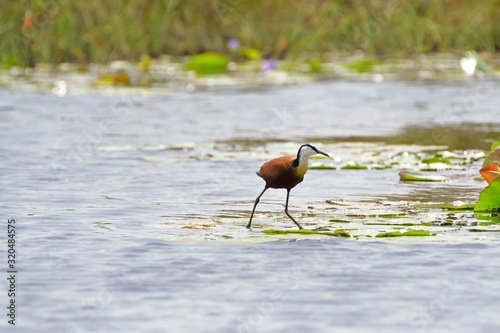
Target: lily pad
(354, 166)
(409, 233)
(336, 233)
(363, 66)
(422, 177)
(251, 53)
(463, 207)
(489, 199)
(495, 145)
(437, 159)
(322, 167)
(119, 78)
(209, 63)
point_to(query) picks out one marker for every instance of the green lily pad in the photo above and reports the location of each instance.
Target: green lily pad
(322, 167)
(355, 166)
(487, 219)
(409, 233)
(336, 233)
(495, 145)
(341, 233)
(339, 221)
(437, 159)
(421, 177)
(489, 199)
(209, 63)
(463, 207)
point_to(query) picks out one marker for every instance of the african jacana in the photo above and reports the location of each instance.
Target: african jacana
(286, 172)
(490, 172)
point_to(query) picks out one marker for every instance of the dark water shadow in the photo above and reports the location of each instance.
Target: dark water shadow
(454, 136)
(460, 136)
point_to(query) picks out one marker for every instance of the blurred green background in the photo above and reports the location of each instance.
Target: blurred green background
(55, 31)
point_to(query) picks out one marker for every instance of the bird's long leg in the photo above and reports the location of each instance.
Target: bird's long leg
(286, 209)
(255, 205)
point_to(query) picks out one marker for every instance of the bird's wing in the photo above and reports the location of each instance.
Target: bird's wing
(275, 169)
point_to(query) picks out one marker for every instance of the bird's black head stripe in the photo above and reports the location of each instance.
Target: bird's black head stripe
(307, 145)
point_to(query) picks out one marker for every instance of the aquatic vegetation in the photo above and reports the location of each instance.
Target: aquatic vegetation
(409, 233)
(493, 156)
(118, 78)
(251, 53)
(322, 167)
(394, 158)
(363, 66)
(95, 31)
(336, 233)
(315, 66)
(418, 176)
(209, 63)
(354, 166)
(145, 63)
(489, 199)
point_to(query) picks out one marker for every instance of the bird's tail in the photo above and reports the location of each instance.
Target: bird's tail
(258, 174)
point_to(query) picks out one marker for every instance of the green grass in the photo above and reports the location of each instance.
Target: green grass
(102, 31)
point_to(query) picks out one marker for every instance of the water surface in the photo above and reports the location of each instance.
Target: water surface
(103, 186)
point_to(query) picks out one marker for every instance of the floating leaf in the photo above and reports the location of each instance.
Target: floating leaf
(493, 157)
(354, 166)
(338, 221)
(322, 167)
(483, 230)
(363, 66)
(251, 53)
(437, 159)
(341, 233)
(495, 145)
(315, 66)
(336, 233)
(461, 207)
(390, 234)
(409, 233)
(208, 63)
(488, 219)
(489, 199)
(145, 63)
(421, 177)
(119, 78)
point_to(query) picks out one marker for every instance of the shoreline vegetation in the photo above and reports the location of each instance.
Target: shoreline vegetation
(142, 43)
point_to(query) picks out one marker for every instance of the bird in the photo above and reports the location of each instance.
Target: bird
(286, 172)
(490, 172)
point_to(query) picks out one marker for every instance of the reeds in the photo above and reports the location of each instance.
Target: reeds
(101, 31)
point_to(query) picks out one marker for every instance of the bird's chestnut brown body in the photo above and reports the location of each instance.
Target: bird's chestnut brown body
(281, 173)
